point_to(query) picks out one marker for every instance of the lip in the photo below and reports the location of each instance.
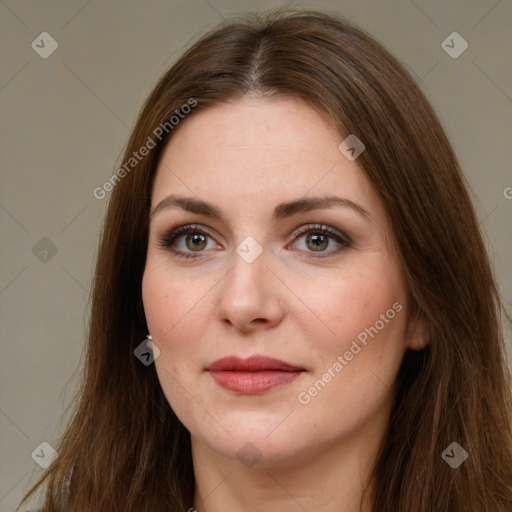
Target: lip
(253, 375)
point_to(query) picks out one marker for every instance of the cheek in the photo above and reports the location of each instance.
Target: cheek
(361, 353)
(361, 345)
(176, 318)
(174, 305)
(351, 305)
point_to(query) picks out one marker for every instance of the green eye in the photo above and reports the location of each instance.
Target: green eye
(195, 242)
(185, 240)
(319, 238)
(310, 239)
(318, 241)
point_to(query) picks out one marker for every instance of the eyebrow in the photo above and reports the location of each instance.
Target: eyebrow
(281, 211)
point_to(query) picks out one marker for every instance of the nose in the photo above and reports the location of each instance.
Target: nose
(249, 297)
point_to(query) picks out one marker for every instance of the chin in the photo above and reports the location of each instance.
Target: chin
(257, 441)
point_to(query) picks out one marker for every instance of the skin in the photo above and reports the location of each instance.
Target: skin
(246, 157)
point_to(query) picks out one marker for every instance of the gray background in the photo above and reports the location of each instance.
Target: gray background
(65, 121)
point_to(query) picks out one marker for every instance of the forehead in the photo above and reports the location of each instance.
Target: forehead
(260, 151)
(286, 124)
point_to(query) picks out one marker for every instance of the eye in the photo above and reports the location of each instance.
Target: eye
(184, 241)
(320, 239)
(190, 241)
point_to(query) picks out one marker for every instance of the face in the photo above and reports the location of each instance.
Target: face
(271, 287)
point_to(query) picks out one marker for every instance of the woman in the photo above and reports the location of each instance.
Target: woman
(308, 277)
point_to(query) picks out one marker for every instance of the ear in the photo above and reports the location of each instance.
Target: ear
(417, 331)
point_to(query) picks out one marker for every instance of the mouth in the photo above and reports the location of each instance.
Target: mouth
(254, 375)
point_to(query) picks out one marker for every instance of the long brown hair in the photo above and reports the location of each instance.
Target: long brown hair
(124, 448)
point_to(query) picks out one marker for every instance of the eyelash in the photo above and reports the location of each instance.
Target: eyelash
(168, 239)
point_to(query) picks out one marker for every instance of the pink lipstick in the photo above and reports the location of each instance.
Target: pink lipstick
(254, 375)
